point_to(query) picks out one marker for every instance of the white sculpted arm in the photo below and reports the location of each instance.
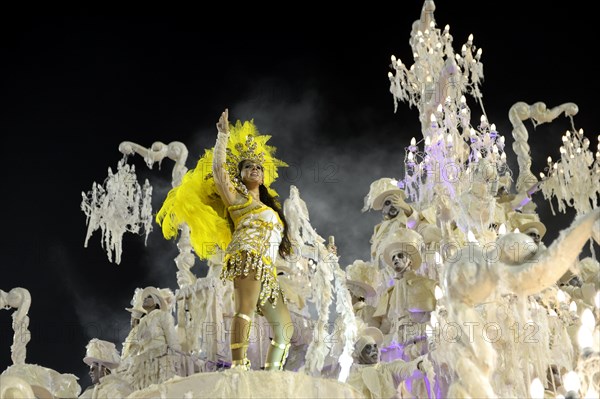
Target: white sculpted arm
(544, 270)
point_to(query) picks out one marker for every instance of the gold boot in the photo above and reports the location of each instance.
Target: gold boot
(244, 362)
(278, 365)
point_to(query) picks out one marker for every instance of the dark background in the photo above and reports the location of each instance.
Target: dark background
(74, 87)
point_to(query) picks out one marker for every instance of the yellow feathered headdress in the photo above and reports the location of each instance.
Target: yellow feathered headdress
(196, 201)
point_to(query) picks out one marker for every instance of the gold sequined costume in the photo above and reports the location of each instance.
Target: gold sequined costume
(254, 246)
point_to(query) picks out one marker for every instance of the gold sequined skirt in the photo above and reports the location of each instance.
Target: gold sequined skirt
(242, 262)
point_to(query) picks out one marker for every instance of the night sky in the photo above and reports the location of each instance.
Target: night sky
(73, 88)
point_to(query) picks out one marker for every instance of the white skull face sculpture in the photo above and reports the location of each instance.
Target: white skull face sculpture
(535, 234)
(97, 371)
(400, 262)
(389, 211)
(369, 354)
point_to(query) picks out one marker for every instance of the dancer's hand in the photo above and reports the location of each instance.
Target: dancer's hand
(223, 124)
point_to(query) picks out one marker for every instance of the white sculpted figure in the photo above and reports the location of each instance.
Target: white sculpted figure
(405, 307)
(375, 379)
(103, 359)
(152, 346)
